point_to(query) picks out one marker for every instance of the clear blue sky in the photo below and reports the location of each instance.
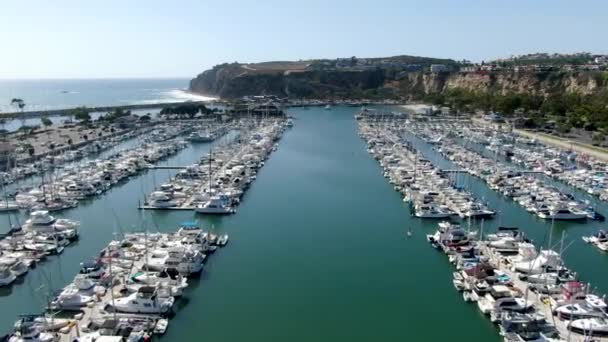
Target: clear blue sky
(133, 38)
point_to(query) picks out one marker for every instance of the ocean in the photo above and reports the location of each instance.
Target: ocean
(47, 94)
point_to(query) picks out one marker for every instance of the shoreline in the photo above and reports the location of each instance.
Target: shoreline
(66, 111)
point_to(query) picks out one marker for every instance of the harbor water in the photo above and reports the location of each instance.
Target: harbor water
(318, 249)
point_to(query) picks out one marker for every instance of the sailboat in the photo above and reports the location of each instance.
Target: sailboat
(216, 204)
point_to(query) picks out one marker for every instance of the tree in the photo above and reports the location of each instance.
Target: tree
(46, 121)
(19, 103)
(81, 114)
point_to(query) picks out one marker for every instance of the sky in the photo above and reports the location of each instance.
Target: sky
(181, 38)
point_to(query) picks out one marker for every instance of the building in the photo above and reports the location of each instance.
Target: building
(439, 68)
(470, 68)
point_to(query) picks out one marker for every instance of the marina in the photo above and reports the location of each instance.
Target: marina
(169, 173)
(217, 183)
(128, 291)
(531, 192)
(269, 207)
(431, 194)
(529, 294)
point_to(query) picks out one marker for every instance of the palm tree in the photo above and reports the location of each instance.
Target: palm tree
(19, 103)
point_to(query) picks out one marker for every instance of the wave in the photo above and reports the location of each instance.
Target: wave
(177, 95)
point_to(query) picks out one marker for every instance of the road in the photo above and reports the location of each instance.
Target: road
(593, 151)
(551, 140)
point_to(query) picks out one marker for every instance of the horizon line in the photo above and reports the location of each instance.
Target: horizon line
(92, 78)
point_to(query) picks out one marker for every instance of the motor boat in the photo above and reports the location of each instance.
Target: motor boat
(144, 301)
(156, 260)
(578, 310)
(475, 210)
(599, 237)
(71, 299)
(92, 269)
(42, 221)
(563, 214)
(558, 276)
(512, 304)
(595, 326)
(545, 259)
(519, 327)
(185, 261)
(161, 199)
(40, 323)
(431, 212)
(215, 205)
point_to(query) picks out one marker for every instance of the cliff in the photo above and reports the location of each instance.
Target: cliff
(297, 80)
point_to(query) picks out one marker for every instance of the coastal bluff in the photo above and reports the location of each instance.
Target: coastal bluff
(305, 79)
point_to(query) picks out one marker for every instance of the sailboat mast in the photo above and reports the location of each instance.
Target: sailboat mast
(210, 172)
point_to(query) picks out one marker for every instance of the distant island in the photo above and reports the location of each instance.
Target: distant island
(557, 92)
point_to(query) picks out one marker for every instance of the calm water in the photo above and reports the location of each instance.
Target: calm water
(48, 94)
(318, 250)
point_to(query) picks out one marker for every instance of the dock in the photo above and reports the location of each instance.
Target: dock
(165, 167)
(222, 176)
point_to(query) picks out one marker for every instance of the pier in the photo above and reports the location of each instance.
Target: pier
(165, 167)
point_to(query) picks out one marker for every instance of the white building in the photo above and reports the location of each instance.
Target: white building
(439, 68)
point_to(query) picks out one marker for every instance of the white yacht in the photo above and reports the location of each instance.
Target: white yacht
(215, 205)
(596, 326)
(546, 258)
(71, 299)
(156, 259)
(185, 261)
(431, 211)
(42, 221)
(144, 301)
(562, 214)
(161, 199)
(475, 210)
